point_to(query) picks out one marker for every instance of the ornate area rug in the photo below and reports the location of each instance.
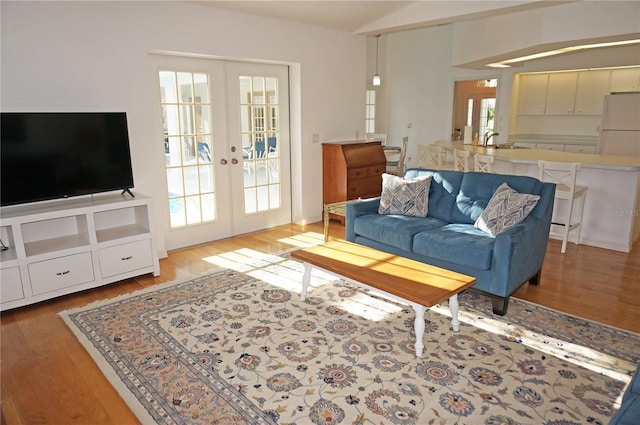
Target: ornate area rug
(237, 346)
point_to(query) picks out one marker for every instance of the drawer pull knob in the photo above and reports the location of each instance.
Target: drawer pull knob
(63, 273)
(127, 258)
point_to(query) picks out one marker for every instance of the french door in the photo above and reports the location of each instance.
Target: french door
(481, 113)
(225, 138)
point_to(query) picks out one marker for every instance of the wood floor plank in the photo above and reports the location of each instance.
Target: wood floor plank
(48, 378)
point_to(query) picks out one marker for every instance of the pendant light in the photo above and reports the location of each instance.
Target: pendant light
(376, 78)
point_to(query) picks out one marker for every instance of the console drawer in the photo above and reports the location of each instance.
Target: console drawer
(62, 272)
(11, 284)
(126, 257)
(360, 172)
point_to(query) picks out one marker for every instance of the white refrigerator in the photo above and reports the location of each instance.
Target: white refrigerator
(620, 129)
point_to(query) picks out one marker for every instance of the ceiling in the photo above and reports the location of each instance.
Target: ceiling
(341, 15)
(375, 16)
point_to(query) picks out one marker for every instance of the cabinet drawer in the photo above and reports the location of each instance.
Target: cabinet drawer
(364, 187)
(126, 257)
(361, 172)
(58, 273)
(11, 284)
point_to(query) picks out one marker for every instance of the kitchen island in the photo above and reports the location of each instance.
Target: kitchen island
(612, 206)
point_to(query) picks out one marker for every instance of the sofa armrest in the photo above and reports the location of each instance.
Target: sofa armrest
(519, 253)
(356, 209)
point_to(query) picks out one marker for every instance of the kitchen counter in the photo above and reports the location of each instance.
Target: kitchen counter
(531, 156)
(611, 217)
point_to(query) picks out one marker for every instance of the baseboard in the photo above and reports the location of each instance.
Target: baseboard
(598, 243)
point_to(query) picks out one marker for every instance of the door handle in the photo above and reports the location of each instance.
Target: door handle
(234, 161)
(223, 161)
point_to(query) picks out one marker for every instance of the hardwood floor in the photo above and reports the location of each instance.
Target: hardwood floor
(48, 378)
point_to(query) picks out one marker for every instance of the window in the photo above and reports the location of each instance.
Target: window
(370, 112)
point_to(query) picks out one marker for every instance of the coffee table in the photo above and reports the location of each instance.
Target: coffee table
(418, 284)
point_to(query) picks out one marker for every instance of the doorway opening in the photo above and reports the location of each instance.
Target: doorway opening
(474, 104)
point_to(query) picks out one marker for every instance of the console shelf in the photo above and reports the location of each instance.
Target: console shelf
(60, 247)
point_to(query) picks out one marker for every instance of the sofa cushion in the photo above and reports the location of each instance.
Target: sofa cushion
(505, 209)
(395, 230)
(461, 244)
(443, 191)
(405, 197)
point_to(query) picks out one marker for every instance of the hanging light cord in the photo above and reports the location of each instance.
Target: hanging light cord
(377, 39)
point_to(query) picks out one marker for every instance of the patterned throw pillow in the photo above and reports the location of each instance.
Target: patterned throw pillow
(505, 209)
(404, 197)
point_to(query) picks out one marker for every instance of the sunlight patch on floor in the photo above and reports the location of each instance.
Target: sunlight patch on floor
(368, 307)
(244, 259)
(588, 357)
(304, 240)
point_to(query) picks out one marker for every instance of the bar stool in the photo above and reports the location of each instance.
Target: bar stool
(395, 157)
(483, 163)
(563, 174)
(434, 157)
(423, 156)
(460, 160)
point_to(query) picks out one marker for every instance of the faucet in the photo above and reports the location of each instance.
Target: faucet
(488, 135)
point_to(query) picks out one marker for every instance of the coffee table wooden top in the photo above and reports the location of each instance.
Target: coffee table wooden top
(405, 278)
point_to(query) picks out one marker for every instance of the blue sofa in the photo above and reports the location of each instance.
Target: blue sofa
(629, 412)
(447, 238)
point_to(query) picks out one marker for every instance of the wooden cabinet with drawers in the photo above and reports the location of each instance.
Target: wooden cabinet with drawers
(351, 170)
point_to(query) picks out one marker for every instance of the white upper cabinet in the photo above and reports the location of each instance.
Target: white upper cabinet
(561, 93)
(623, 80)
(567, 103)
(593, 86)
(533, 94)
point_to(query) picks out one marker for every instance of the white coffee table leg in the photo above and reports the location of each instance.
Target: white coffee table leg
(453, 307)
(419, 328)
(306, 278)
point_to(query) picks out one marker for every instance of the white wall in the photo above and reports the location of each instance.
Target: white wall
(93, 56)
(419, 86)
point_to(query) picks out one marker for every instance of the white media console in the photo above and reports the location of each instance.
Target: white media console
(60, 247)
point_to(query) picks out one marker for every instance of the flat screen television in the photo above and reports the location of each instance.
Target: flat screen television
(51, 155)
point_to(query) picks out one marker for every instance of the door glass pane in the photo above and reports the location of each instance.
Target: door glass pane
(168, 87)
(208, 207)
(194, 215)
(187, 144)
(201, 87)
(191, 180)
(259, 116)
(203, 119)
(487, 114)
(185, 92)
